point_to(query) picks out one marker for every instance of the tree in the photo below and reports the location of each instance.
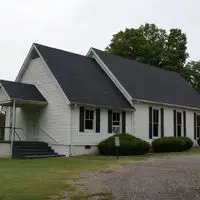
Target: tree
(175, 49)
(151, 45)
(192, 74)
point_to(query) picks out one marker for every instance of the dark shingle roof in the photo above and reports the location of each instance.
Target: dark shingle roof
(82, 80)
(151, 83)
(22, 91)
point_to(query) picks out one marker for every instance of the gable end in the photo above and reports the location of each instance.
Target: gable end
(94, 55)
(34, 53)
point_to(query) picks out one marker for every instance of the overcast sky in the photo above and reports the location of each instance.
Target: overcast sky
(77, 25)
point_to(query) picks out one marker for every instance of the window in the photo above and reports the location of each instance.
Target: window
(179, 123)
(155, 123)
(89, 119)
(87, 147)
(198, 126)
(115, 122)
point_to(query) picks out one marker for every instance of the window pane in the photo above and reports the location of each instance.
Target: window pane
(198, 120)
(118, 116)
(116, 123)
(179, 130)
(91, 114)
(87, 114)
(114, 116)
(89, 124)
(156, 116)
(179, 120)
(155, 130)
(198, 132)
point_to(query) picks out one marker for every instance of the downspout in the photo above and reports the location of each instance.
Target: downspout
(70, 133)
(133, 119)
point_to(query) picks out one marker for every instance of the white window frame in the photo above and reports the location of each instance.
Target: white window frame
(120, 122)
(179, 124)
(197, 126)
(94, 120)
(159, 121)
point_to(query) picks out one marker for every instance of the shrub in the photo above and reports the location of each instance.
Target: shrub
(188, 143)
(129, 145)
(172, 144)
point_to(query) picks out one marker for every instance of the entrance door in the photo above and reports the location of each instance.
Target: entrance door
(32, 127)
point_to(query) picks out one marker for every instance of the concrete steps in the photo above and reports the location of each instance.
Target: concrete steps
(32, 149)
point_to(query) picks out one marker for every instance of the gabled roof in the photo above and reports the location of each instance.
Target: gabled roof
(150, 83)
(82, 79)
(21, 91)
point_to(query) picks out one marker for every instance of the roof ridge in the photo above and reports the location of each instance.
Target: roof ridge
(129, 59)
(58, 49)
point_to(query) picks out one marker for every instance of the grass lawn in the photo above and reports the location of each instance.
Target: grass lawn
(50, 178)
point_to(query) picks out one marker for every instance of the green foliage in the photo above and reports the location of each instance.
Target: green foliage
(129, 145)
(151, 45)
(188, 143)
(155, 46)
(192, 74)
(175, 50)
(172, 144)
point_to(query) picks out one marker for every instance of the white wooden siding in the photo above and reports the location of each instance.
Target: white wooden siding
(130, 122)
(4, 150)
(142, 120)
(81, 150)
(7, 123)
(3, 96)
(21, 122)
(54, 119)
(93, 138)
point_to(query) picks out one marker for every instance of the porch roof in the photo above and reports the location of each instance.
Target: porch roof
(21, 93)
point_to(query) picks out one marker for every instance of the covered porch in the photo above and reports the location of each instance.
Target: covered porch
(21, 106)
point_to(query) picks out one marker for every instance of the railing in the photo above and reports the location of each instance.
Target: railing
(15, 133)
(49, 137)
(5, 135)
(7, 130)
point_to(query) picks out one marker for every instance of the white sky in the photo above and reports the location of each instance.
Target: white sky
(77, 25)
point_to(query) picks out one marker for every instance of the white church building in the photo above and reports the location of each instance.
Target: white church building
(62, 103)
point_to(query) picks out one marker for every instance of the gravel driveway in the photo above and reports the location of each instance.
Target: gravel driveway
(174, 178)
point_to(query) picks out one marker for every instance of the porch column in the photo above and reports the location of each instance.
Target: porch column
(13, 128)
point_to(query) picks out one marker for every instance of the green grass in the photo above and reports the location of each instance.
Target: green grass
(50, 178)
(38, 179)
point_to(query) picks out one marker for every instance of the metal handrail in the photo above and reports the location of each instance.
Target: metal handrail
(20, 139)
(10, 127)
(15, 132)
(17, 135)
(49, 136)
(6, 127)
